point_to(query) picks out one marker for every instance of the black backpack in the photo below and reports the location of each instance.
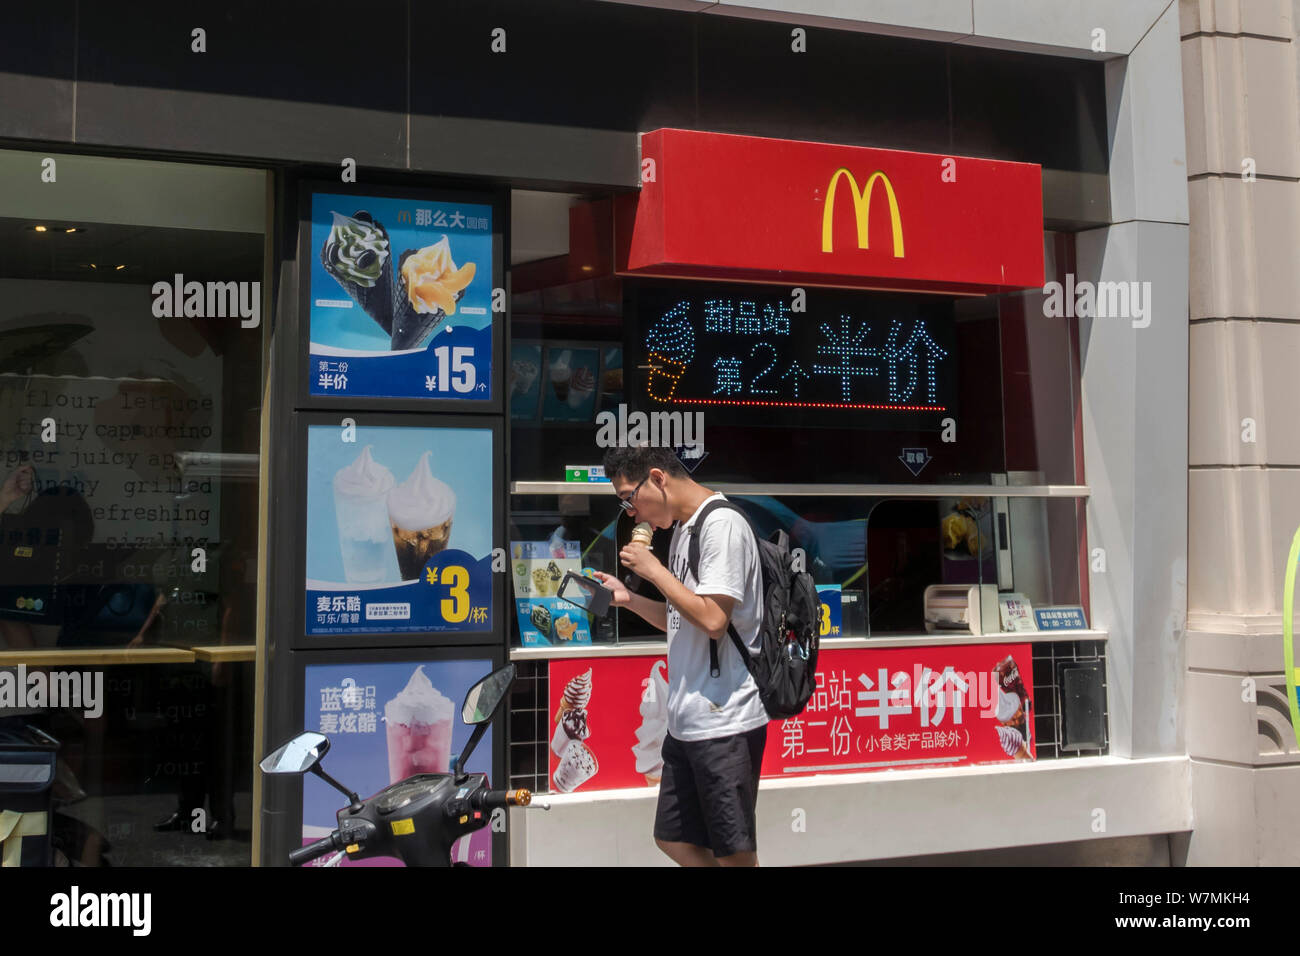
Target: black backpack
(786, 666)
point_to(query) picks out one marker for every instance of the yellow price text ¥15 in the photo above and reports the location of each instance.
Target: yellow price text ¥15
(455, 607)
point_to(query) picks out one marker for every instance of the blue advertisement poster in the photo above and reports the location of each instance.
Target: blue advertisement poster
(569, 394)
(400, 298)
(399, 529)
(387, 721)
(831, 610)
(544, 618)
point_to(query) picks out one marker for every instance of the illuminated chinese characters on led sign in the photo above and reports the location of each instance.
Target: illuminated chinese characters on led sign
(879, 356)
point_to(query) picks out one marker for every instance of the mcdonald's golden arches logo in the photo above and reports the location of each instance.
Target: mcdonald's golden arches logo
(862, 210)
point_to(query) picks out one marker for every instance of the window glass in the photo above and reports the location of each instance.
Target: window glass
(131, 318)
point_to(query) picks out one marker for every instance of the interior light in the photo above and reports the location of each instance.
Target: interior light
(119, 268)
(39, 228)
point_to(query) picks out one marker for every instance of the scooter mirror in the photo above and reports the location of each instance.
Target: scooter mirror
(298, 755)
(484, 697)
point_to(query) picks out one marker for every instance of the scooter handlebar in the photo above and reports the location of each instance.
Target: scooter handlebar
(492, 799)
(313, 850)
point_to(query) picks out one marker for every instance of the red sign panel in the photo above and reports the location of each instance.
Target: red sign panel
(900, 707)
(874, 709)
(771, 210)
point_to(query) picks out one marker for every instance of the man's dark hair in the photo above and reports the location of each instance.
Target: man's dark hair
(634, 464)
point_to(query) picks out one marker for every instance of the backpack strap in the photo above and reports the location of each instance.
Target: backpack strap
(693, 558)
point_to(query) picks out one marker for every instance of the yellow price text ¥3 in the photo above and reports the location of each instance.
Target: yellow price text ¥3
(824, 624)
(455, 607)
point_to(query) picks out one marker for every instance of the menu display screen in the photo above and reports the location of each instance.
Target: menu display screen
(756, 355)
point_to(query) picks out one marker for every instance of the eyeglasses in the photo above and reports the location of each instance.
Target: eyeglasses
(626, 503)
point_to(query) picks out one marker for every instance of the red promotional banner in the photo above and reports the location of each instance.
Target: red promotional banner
(609, 716)
(719, 206)
(874, 708)
(904, 706)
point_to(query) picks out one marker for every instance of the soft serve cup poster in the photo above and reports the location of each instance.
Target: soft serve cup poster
(399, 530)
(400, 298)
(386, 722)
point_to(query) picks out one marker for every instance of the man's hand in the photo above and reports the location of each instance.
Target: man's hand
(641, 561)
(622, 596)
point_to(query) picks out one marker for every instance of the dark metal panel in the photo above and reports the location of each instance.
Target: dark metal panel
(36, 71)
(295, 82)
(851, 88)
(1030, 109)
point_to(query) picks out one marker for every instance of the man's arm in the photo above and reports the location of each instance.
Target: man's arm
(709, 612)
(654, 613)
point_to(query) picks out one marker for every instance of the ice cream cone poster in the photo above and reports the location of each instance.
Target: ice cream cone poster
(400, 298)
(387, 721)
(524, 381)
(569, 389)
(609, 717)
(538, 568)
(399, 530)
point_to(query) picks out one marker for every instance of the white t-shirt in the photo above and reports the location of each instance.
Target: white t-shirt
(701, 707)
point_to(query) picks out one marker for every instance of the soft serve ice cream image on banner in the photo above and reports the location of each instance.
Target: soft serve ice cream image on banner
(387, 720)
(648, 749)
(610, 722)
(361, 493)
(577, 763)
(420, 509)
(386, 556)
(419, 721)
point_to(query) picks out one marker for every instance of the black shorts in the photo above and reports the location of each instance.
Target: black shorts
(709, 791)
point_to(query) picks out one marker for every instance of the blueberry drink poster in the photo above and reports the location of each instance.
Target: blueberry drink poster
(401, 298)
(387, 721)
(399, 529)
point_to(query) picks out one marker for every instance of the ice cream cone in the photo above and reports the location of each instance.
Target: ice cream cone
(665, 373)
(425, 291)
(357, 254)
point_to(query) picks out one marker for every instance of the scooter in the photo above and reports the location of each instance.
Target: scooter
(417, 819)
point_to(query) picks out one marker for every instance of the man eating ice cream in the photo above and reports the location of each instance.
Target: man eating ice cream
(717, 726)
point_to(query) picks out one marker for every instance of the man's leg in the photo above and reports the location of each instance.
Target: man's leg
(726, 774)
(687, 854)
(744, 858)
(679, 829)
